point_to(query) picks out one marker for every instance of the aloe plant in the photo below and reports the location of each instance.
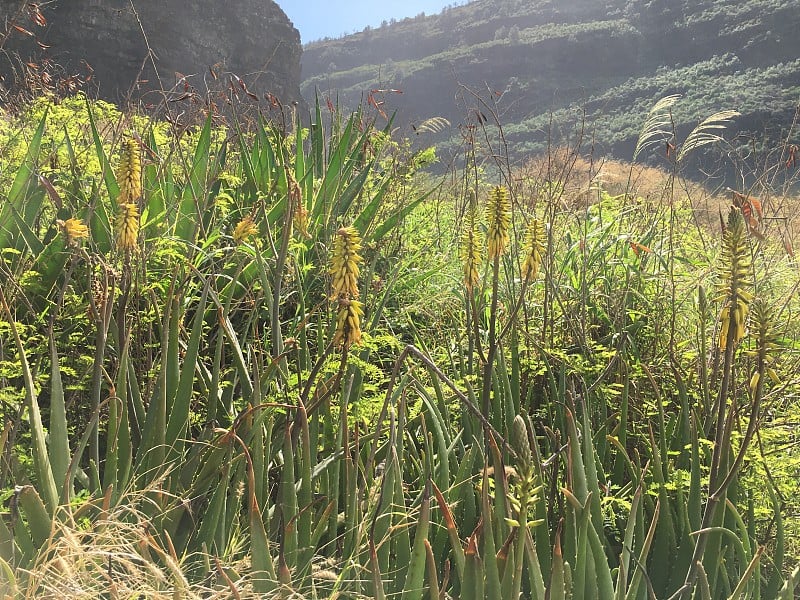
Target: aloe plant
(231, 340)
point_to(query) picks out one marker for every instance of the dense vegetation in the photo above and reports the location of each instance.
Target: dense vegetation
(572, 63)
(282, 361)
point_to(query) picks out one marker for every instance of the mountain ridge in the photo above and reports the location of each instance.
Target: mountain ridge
(607, 62)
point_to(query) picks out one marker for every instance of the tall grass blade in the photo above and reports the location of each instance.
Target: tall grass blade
(58, 446)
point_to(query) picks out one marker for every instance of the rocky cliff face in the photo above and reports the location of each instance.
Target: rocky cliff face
(139, 46)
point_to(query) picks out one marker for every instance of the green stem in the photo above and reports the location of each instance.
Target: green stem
(492, 343)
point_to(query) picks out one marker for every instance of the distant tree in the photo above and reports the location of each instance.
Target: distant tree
(501, 33)
(513, 34)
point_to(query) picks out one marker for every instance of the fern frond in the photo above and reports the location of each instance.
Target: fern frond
(705, 133)
(658, 124)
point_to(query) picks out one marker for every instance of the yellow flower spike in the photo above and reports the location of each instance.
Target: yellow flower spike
(534, 250)
(754, 382)
(733, 289)
(300, 221)
(129, 173)
(762, 322)
(348, 323)
(74, 231)
(724, 327)
(471, 244)
(127, 226)
(244, 229)
(345, 261)
(773, 375)
(498, 216)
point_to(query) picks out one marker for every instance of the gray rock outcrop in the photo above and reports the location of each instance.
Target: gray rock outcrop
(128, 48)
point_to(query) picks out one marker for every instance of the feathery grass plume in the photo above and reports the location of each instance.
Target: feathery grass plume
(348, 323)
(471, 244)
(706, 133)
(498, 216)
(344, 264)
(534, 250)
(733, 290)
(74, 230)
(244, 229)
(657, 127)
(127, 226)
(129, 173)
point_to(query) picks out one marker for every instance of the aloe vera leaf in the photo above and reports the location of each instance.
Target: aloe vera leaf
(41, 458)
(181, 403)
(20, 187)
(58, 446)
(415, 577)
(192, 204)
(557, 588)
(638, 572)
(740, 591)
(787, 591)
(472, 587)
(39, 521)
(492, 581)
(452, 531)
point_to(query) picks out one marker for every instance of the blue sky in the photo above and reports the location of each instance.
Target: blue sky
(315, 19)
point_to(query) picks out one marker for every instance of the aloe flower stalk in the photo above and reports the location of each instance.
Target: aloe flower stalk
(344, 264)
(534, 250)
(498, 216)
(129, 179)
(244, 229)
(471, 244)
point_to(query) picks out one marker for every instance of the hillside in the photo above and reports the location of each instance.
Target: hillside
(537, 59)
(117, 49)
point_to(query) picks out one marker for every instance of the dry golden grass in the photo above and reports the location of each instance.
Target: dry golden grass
(93, 553)
(575, 181)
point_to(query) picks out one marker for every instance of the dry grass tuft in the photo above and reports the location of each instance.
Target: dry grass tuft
(574, 183)
(94, 553)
